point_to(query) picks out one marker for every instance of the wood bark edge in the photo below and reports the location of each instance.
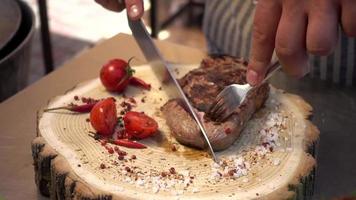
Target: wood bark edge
(55, 178)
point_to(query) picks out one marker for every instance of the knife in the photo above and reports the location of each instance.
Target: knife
(159, 65)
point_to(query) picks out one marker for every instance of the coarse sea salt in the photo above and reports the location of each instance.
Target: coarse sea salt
(234, 166)
(215, 165)
(120, 189)
(214, 175)
(276, 161)
(195, 190)
(140, 182)
(155, 189)
(185, 172)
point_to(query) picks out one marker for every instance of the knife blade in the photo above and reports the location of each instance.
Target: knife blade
(159, 65)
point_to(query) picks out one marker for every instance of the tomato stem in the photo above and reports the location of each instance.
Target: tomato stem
(129, 70)
(85, 108)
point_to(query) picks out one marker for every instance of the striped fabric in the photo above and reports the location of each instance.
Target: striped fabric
(228, 25)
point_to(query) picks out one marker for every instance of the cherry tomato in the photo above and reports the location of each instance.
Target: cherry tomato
(139, 125)
(103, 117)
(115, 75)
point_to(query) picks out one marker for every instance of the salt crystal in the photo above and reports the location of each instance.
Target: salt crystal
(244, 172)
(245, 180)
(214, 175)
(140, 182)
(120, 189)
(260, 150)
(238, 174)
(263, 132)
(186, 181)
(155, 189)
(247, 165)
(232, 158)
(226, 170)
(239, 161)
(216, 165)
(185, 172)
(276, 161)
(195, 190)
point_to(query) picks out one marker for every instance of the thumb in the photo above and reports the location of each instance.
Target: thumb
(134, 9)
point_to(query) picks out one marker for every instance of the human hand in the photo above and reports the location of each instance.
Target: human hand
(295, 28)
(134, 7)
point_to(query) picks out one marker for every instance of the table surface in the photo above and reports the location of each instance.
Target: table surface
(334, 114)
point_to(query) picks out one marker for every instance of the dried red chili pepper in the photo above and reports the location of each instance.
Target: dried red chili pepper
(85, 108)
(140, 83)
(128, 144)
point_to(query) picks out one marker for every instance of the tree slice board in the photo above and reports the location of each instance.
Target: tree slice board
(268, 161)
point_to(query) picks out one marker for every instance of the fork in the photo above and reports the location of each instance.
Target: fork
(233, 95)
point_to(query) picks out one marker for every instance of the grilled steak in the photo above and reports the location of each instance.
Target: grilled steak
(201, 86)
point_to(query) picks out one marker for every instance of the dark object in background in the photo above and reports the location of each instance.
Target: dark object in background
(15, 56)
(10, 19)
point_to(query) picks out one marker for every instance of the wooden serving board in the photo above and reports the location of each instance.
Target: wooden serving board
(270, 158)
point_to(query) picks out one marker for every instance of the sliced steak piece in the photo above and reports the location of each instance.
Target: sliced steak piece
(201, 86)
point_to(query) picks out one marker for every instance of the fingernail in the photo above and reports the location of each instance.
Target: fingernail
(133, 12)
(252, 77)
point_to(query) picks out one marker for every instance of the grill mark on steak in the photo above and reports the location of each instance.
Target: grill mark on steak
(201, 86)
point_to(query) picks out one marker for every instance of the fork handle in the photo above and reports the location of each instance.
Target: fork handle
(275, 66)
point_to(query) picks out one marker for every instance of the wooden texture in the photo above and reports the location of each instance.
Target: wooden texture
(67, 161)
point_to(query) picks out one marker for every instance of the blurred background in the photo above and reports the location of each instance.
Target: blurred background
(79, 24)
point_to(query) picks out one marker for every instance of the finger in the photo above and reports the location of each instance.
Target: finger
(265, 25)
(112, 5)
(134, 9)
(348, 16)
(290, 39)
(322, 31)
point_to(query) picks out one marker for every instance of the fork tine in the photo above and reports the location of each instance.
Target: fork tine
(220, 112)
(214, 114)
(226, 110)
(224, 92)
(224, 116)
(215, 105)
(218, 99)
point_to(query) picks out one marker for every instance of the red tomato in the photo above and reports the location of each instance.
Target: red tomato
(115, 75)
(139, 125)
(103, 117)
